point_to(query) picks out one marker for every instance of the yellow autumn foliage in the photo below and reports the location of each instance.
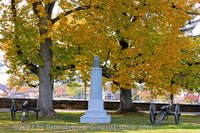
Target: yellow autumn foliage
(150, 28)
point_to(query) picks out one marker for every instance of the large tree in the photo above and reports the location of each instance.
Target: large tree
(136, 41)
(142, 43)
(30, 46)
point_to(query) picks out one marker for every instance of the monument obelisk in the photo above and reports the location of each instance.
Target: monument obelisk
(96, 112)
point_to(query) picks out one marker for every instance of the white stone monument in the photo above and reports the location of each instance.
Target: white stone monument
(96, 112)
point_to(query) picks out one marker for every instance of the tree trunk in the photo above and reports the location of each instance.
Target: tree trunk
(45, 79)
(171, 102)
(126, 104)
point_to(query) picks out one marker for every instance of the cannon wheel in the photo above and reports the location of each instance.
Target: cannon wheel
(37, 109)
(37, 115)
(162, 116)
(12, 109)
(177, 113)
(152, 112)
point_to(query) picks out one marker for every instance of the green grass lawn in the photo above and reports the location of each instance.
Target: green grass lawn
(70, 122)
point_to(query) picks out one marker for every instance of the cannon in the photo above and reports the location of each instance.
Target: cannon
(163, 113)
(25, 109)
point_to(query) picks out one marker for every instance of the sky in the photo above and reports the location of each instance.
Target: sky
(4, 77)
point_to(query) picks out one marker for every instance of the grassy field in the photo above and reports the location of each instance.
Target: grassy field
(70, 122)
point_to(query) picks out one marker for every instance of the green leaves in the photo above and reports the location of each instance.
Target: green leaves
(140, 41)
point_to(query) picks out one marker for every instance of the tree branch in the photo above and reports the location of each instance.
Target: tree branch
(69, 12)
(172, 79)
(33, 69)
(107, 58)
(106, 72)
(31, 85)
(188, 12)
(116, 83)
(35, 5)
(13, 8)
(193, 63)
(49, 8)
(71, 66)
(186, 29)
(192, 13)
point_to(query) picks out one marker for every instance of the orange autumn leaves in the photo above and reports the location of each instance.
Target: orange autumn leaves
(151, 29)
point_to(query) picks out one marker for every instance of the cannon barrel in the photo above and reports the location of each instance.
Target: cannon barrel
(25, 108)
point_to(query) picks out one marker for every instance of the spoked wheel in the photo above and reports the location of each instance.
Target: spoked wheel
(37, 109)
(177, 113)
(153, 113)
(162, 116)
(12, 109)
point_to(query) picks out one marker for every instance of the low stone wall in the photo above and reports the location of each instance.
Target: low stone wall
(83, 105)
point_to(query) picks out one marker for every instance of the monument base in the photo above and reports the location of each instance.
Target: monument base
(95, 113)
(92, 118)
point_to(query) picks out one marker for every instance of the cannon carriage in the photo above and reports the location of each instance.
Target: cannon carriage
(164, 113)
(25, 110)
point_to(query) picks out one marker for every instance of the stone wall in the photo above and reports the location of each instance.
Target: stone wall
(83, 105)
